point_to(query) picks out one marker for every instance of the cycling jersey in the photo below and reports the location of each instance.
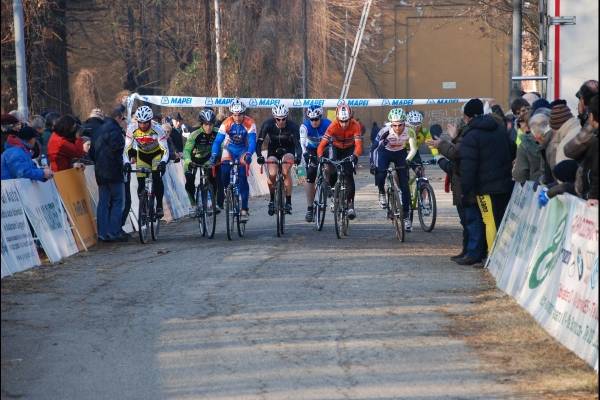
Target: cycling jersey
(422, 135)
(392, 141)
(286, 137)
(146, 145)
(198, 147)
(342, 138)
(311, 137)
(236, 139)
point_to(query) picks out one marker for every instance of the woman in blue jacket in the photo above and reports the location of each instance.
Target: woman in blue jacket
(16, 158)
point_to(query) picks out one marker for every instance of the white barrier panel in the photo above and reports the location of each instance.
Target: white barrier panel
(175, 197)
(256, 180)
(18, 249)
(548, 260)
(44, 210)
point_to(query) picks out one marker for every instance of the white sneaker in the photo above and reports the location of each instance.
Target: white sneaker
(351, 213)
(244, 215)
(382, 200)
(407, 225)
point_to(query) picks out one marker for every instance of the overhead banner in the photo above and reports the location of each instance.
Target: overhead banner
(18, 248)
(45, 212)
(72, 188)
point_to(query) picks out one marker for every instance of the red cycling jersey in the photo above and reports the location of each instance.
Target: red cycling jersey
(342, 137)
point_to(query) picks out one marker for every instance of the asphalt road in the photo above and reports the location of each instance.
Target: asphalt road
(306, 316)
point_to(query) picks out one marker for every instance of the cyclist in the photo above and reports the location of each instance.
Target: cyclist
(414, 119)
(311, 132)
(395, 142)
(344, 133)
(146, 146)
(237, 136)
(198, 148)
(282, 134)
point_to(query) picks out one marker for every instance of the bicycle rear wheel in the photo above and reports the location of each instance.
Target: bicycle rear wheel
(395, 207)
(143, 218)
(200, 211)
(427, 207)
(345, 219)
(279, 203)
(154, 220)
(209, 206)
(337, 211)
(320, 206)
(229, 210)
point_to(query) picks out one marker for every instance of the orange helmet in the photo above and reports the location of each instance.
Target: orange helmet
(343, 112)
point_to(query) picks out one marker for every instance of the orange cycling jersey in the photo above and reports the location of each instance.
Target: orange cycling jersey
(343, 138)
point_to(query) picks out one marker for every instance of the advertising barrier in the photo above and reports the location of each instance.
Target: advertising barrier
(71, 185)
(548, 260)
(18, 249)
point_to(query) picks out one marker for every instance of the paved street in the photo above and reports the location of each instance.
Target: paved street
(306, 316)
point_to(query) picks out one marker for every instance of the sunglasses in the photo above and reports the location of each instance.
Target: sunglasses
(344, 122)
(280, 119)
(315, 119)
(397, 125)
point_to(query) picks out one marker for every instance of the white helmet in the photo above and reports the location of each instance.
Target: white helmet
(343, 112)
(314, 112)
(237, 107)
(414, 118)
(144, 114)
(280, 111)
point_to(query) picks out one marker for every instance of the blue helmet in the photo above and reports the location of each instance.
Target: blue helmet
(314, 111)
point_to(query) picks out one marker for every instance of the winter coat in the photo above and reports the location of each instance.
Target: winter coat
(451, 150)
(61, 151)
(106, 151)
(584, 149)
(528, 165)
(17, 162)
(485, 158)
(555, 148)
(91, 127)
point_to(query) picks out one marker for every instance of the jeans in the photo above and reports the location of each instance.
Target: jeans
(476, 244)
(110, 210)
(463, 222)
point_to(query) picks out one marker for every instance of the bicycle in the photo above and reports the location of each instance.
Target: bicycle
(394, 200)
(423, 198)
(233, 201)
(148, 221)
(340, 197)
(321, 195)
(206, 208)
(279, 190)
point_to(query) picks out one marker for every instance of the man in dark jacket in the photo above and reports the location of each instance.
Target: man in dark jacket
(93, 123)
(107, 153)
(485, 166)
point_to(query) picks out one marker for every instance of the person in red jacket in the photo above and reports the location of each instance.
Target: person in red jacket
(64, 144)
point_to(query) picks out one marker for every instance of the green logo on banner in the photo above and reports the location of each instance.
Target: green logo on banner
(549, 257)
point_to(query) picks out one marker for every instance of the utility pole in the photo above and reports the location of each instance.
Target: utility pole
(356, 48)
(305, 52)
(20, 58)
(517, 43)
(218, 49)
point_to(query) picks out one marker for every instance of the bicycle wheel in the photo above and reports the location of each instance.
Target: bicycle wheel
(143, 218)
(279, 202)
(229, 210)
(337, 211)
(320, 206)
(241, 226)
(209, 207)
(395, 207)
(427, 207)
(200, 211)
(344, 207)
(154, 220)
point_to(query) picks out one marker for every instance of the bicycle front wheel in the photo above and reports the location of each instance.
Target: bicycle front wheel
(427, 207)
(337, 211)
(200, 211)
(344, 207)
(229, 213)
(154, 220)
(279, 201)
(395, 207)
(320, 206)
(209, 206)
(143, 218)
(241, 226)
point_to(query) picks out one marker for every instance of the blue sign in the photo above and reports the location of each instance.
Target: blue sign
(164, 100)
(401, 102)
(313, 102)
(223, 101)
(358, 102)
(386, 102)
(252, 102)
(180, 100)
(268, 102)
(209, 101)
(297, 103)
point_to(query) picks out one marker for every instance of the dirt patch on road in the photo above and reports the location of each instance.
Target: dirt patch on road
(514, 347)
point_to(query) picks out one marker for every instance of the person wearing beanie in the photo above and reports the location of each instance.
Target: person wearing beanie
(541, 103)
(16, 159)
(93, 123)
(528, 162)
(565, 126)
(531, 97)
(485, 170)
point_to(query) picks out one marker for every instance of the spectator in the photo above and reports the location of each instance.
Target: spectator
(539, 124)
(565, 127)
(584, 149)
(374, 131)
(519, 108)
(177, 134)
(173, 154)
(93, 123)
(485, 169)
(16, 160)
(10, 126)
(38, 123)
(585, 93)
(106, 151)
(531, 97)
(64, 144)
(528, 163)
(51, 118)
(20, 117)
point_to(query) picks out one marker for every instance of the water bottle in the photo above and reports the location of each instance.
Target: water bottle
(43, 161)
(301, 173)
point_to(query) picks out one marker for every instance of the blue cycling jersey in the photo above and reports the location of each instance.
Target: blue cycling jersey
(313, 135)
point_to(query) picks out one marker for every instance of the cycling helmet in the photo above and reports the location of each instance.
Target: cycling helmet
(396, 115)
(237, 106)
(207, 116)
(280, 111)
(144, 114)
(343, 112)
(314, 111)
(414, 118)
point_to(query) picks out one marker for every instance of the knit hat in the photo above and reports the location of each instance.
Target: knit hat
(541, 103)
(531, 97)
(473, 108)
(587, 91)
(97, 113)
(542, 110)
(559, 115)
(7, 119)
(27, 133)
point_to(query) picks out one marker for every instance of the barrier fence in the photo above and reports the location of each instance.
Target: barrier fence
(547, 259)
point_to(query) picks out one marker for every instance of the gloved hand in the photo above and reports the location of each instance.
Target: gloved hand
(372, 169)
(162, 167)
(543, 198)
(354, 159)
(127, 168)
(306, 156)
(260, 160)
(297, 160)
(248, 158)
(212, 160)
